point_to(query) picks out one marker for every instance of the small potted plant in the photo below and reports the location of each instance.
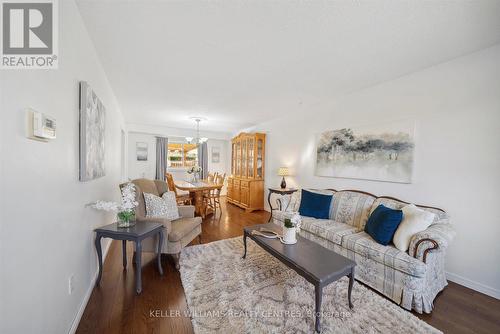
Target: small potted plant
(124, 211)
(290, 228)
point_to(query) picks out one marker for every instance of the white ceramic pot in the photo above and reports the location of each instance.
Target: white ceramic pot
(289, 235)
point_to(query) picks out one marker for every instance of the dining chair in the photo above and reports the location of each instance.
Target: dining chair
(213, 198)
(182, 197)
(211, 177)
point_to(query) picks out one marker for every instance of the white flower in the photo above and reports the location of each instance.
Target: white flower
(104, 206)
(128, 201)
(296, 220)
(194, 169)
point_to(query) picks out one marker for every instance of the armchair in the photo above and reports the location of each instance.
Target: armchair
(178, 233)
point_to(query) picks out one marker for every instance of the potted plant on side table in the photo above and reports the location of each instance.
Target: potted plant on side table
(124, 211)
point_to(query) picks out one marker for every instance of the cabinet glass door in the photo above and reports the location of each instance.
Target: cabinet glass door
(238, 158)
(260, 158)
(233, 158)
(244, 158)
(250, 157)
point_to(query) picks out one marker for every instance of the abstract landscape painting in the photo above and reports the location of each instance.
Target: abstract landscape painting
(141, 150)
(92, 134)
(381, 152)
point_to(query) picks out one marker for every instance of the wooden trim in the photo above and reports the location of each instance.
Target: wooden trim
(435, 245)
(421, 206)
(387, 197)
(377, 197)
(361, 192)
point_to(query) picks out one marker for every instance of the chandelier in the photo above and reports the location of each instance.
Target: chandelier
(197, 139)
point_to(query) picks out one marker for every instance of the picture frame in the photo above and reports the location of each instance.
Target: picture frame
(215, 154)
(141, 151)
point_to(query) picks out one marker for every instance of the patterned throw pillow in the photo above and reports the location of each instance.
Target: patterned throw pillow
(163, 207)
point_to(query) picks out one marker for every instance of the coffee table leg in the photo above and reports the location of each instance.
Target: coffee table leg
(99, 256)
(160, 245)
(245, 244)
(351, 282)
(124, 253)
(138, 266)
(319, 297)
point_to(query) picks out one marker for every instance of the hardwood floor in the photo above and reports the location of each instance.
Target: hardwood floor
(114, 307)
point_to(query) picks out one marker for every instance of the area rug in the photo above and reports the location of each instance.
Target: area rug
(227, 294)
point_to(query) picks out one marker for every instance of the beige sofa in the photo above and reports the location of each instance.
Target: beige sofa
(179, 233)
(411, 279)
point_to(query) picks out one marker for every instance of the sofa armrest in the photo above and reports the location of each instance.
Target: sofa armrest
(186, 211)
(436, 237)
(164, 221)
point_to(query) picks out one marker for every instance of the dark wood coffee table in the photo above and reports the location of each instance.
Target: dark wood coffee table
(317, 264)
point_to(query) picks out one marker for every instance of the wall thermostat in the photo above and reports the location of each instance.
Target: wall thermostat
(41, 126)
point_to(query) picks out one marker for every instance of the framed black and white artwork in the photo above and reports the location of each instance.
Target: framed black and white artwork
(141, 150)
(215, 155)
(382, 152)
(92, 134)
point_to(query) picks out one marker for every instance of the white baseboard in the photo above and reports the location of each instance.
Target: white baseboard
(86, 298)
(487, 290)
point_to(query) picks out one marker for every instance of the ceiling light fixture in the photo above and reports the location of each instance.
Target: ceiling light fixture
(198, 139)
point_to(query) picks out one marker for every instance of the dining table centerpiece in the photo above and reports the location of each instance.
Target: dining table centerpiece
(195, 171)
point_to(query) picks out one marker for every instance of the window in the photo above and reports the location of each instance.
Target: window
(182, 155)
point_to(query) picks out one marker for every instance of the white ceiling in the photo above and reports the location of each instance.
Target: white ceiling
(239, 63)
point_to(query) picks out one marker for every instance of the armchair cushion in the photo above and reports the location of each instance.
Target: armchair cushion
(164, 221)
(437, 236)
(182, 227)
(186, 211)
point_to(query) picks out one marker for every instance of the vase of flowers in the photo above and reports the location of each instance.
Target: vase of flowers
(195, 171)
(124, 210)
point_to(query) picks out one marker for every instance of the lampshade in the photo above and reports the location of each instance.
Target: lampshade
(283, 171)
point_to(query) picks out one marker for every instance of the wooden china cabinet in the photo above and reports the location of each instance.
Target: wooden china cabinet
(245, 186)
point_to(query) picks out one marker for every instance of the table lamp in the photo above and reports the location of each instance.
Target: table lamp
(283, 171)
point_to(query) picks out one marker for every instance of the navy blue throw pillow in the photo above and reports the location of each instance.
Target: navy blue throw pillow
(383, 223)
(315, 205)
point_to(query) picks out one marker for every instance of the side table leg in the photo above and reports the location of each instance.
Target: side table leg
(319, 297)
(351, 282)
(138, 266)
(124, 253)
(270, 206)
(99, 256)
(160, 247)
(245, 244)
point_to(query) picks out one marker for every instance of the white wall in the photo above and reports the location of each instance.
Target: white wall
(457, 109)
(147, 169)
(46, 230)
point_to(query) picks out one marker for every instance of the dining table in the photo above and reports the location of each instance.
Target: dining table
(197, 190)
